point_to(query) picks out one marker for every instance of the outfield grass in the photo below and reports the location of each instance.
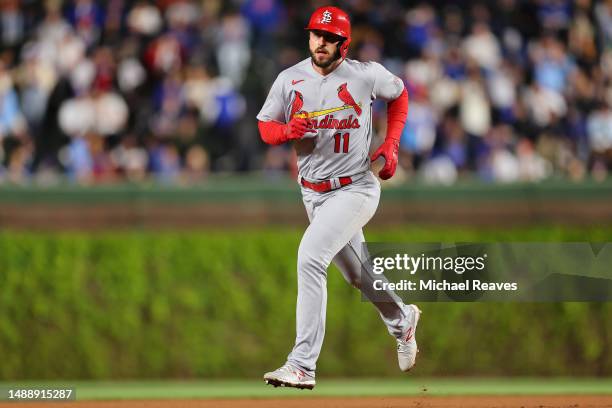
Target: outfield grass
(327, 388)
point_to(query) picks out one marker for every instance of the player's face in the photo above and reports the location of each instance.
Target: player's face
(324, 48)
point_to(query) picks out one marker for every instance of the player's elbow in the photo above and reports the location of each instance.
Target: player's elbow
(264, 131)
(399, 105)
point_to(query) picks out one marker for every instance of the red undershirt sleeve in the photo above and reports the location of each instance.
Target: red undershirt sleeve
(272, 132)
(397, 113)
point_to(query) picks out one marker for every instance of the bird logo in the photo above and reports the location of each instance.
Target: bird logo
(298, 103)
(346, 97)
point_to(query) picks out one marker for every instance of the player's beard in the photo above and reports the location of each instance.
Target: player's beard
(326, 63)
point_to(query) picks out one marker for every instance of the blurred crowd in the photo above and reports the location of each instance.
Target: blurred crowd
(119, 90)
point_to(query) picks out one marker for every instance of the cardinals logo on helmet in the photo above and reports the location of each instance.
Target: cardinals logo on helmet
(327, 17)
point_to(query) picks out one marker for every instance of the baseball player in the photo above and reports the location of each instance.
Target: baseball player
(324, 105)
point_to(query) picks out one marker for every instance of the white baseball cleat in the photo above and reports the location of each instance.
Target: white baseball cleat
(407, 346)
(290, 376)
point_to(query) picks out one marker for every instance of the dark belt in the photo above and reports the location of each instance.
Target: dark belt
(326, 185)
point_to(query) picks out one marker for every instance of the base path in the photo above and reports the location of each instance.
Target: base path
(527, 401)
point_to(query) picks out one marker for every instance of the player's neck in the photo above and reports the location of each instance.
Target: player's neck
(327, 70)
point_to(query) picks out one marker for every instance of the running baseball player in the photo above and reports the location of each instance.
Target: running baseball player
(324, 105)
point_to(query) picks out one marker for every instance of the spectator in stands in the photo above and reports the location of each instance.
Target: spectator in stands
(108, 91)
(599, 127)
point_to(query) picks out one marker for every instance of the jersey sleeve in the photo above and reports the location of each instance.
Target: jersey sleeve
(274, 107)
(386, 85)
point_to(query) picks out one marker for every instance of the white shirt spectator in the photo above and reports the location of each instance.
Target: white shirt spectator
(233, 51)
(439, 170)
(532, 166)
(444, 93)
(423, 71)
(111, 113)
(70, 51)
(483, 47)
(544, 104)
(105, 115)
(504, 166)
(130, 74)
(145, 19)
(77, 116)
(501, 89)
(474, 109)
(198, 88)
(132, 159)
(599, 128)
(82, 76)
(53, 28)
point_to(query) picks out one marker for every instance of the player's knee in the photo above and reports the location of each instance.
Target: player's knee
(352, 276)
(310, 263)
(354, 280)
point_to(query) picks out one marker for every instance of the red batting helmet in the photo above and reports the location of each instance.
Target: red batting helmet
(335, 21)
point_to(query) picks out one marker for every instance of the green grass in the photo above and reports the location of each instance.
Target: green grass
(328, 387)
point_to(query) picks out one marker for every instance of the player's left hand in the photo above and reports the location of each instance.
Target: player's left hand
(389, 150)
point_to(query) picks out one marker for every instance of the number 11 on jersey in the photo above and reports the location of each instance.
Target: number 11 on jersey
(341, 139)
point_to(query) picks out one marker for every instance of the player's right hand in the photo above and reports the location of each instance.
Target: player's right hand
(296, 128)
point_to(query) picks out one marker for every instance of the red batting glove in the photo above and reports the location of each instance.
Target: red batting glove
(389, 150)
(296, 128)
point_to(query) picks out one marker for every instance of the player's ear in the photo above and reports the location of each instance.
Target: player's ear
(340, 44)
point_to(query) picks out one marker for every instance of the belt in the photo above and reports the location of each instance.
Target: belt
(326, 185)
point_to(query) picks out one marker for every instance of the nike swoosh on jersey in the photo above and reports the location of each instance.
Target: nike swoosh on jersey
(293, 82)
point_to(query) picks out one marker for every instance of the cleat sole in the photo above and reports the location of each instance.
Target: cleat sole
(279, 383)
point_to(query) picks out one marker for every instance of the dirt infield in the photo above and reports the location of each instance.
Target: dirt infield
(530, 401)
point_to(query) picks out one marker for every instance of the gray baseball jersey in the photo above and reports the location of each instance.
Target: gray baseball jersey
(339, 111)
